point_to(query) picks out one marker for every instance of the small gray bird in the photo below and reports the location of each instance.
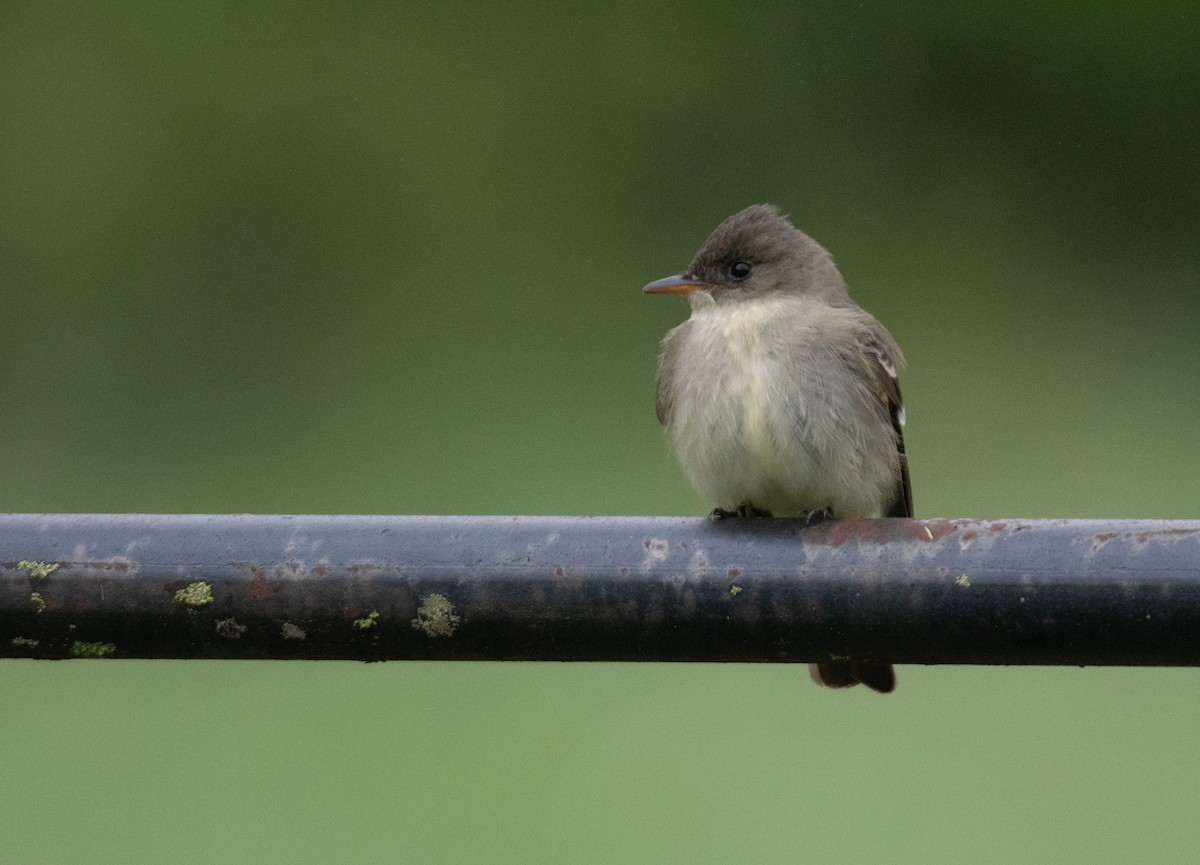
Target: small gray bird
(779, 393)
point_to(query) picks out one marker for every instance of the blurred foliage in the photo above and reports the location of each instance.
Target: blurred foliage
(385, 258)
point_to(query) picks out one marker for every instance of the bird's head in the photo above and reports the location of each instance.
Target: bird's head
(755, 253)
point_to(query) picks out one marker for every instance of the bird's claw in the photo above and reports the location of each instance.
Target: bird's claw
(818, 515)
(743, 511)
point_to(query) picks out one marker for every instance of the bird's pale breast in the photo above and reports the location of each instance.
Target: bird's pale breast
(753, 415)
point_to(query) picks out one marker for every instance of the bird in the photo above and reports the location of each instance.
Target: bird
(780, 395)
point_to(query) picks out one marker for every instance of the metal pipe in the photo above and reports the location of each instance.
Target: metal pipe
(368, 588)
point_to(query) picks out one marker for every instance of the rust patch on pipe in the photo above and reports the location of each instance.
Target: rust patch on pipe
(260, 585)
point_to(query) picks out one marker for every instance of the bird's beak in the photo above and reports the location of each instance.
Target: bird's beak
(680, 283)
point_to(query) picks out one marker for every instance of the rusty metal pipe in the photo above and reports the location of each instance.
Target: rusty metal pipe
(600, 588)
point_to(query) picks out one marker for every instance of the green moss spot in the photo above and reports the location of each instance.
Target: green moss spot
(38, 570)
(80, 649)
(368, 621)
(436, 617)
(195, 595)
(25, 643)
(735, 590)
(292, 632)
(37, 602)
(963, 582)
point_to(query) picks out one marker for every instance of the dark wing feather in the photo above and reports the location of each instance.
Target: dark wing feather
(883, 357)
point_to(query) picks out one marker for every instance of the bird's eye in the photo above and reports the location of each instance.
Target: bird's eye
(740, 269)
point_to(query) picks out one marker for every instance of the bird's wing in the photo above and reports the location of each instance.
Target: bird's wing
(883, 357)
(668, 362)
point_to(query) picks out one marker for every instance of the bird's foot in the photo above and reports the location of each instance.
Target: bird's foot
(743, 511)
(811, 518)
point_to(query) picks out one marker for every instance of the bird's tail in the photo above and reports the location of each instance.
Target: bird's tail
(843, 674)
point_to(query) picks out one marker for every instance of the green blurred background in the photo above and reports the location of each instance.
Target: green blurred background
(386, 258)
